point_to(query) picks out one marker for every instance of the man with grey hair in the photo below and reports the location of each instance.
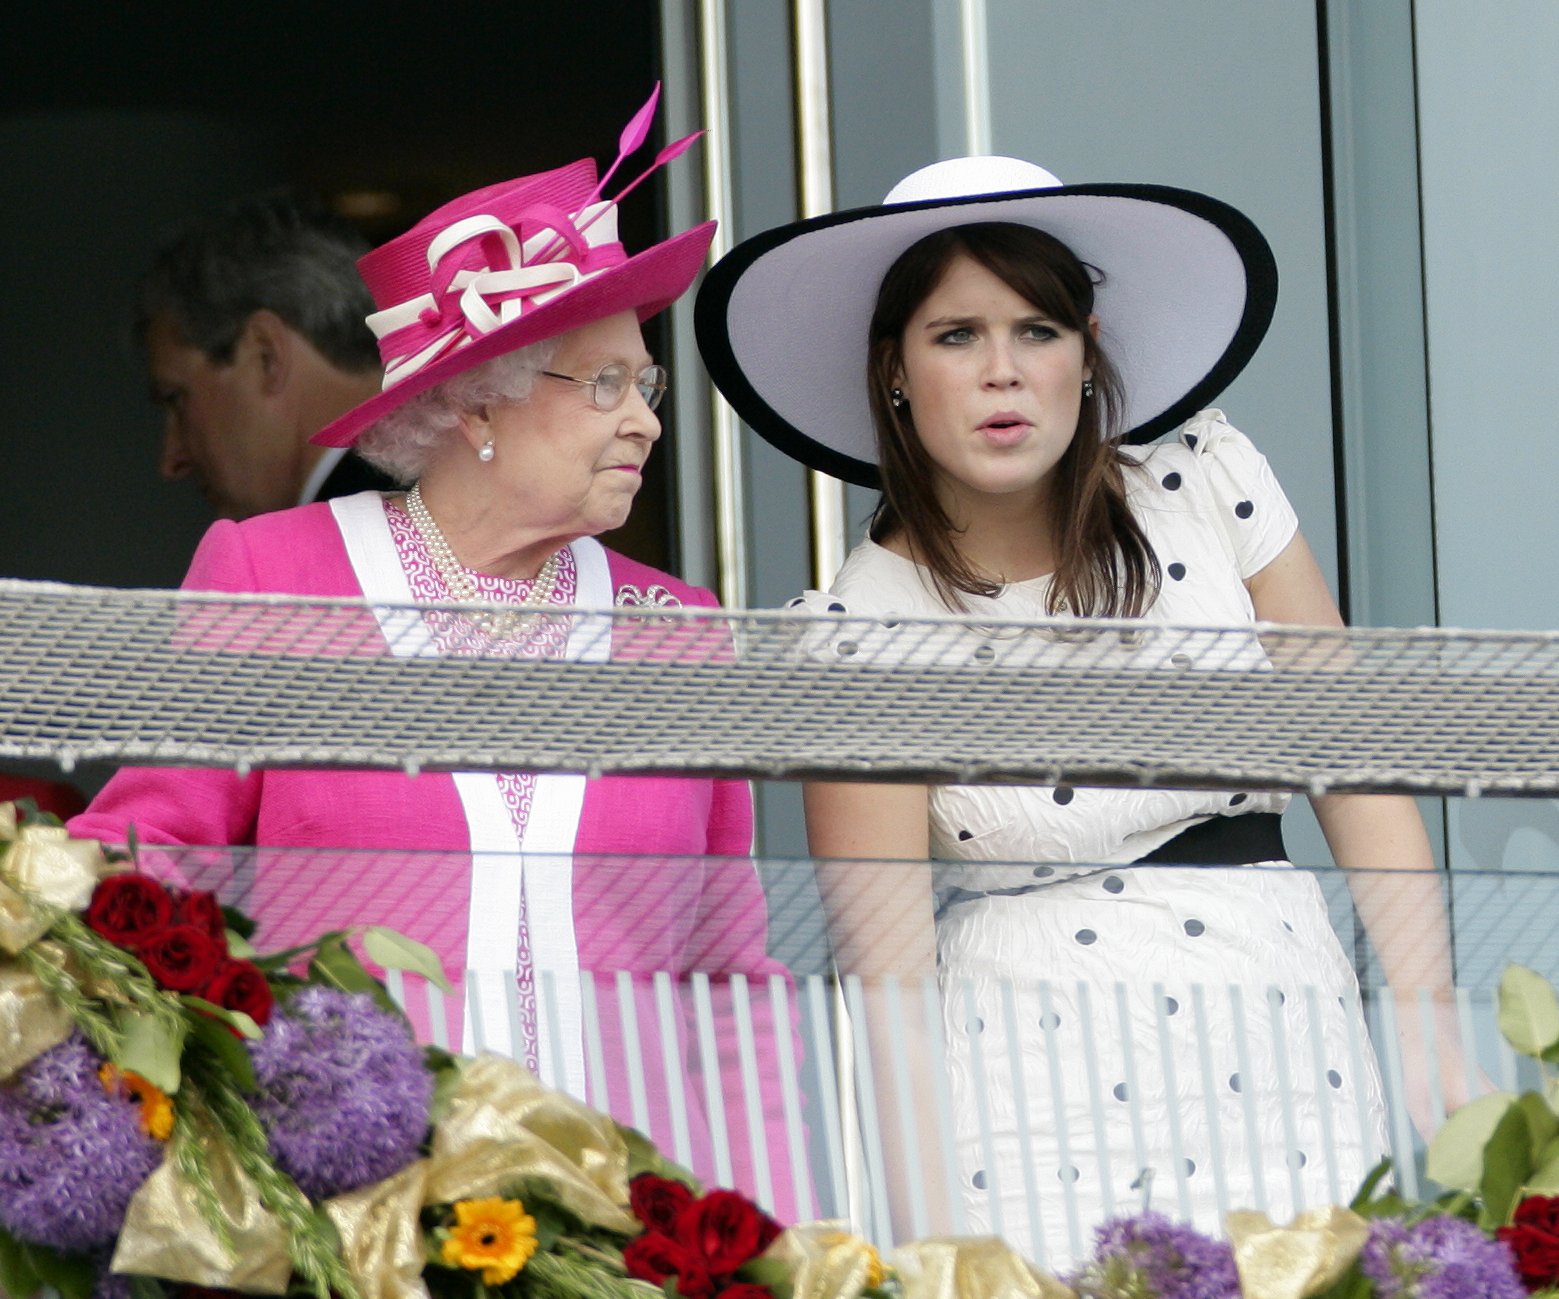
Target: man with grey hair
(251, 323)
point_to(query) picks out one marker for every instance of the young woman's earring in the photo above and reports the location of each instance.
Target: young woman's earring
(486, 453)
(1087, 387)
(897, 398)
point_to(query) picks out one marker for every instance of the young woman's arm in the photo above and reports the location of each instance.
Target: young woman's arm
(1380, 839)
(874, 876)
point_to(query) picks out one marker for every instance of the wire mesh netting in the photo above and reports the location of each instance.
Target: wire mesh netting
(177, 678)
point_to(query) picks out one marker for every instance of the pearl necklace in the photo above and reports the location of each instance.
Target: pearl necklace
(506, 623)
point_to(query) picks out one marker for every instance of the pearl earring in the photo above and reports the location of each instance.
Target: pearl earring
(897, 397)
(487, 452)
(1087, 387)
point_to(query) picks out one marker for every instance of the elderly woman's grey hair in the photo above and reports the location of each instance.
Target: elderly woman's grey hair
(406, 440)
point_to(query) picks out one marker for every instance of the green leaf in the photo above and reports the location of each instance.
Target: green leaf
(1545, 1178)
(18, 1278)
(1508, 1160)
(1367, 1187)
(227, 1049)
(151, 1049)
(337, 966)
(236, 1019)
(1528, 1011)
(395, 951)
(1456, 1153)
(70, 1274)
(146, 1287)
(643, 1157)
(238, 923)
(1542, 1123)
(239, 947)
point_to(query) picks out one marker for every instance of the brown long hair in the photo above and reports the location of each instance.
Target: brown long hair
(1105, 565)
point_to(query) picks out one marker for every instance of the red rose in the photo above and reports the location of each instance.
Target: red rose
(1534, 1240)
(239, 985)
(653, 1257)
(204, 912)
(745, 1290)
(656, 1202)
(128, 909)
(726, 1229)
(181, 959)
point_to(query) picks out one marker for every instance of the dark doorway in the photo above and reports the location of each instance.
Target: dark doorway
(118, 123)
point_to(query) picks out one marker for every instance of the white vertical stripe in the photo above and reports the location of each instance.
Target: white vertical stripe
(977, 77)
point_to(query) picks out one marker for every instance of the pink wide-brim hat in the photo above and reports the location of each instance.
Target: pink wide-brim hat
(506, 266)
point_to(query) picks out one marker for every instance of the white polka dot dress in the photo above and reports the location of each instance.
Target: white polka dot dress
(1109, 1025)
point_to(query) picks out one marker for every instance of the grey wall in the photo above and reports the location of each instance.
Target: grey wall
(1488, 121)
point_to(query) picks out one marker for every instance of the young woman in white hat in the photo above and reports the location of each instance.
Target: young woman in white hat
(995, 350)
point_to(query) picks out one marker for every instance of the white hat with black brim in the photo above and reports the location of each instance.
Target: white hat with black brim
(782, 319)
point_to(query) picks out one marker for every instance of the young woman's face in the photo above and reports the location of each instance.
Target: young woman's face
(994, 388)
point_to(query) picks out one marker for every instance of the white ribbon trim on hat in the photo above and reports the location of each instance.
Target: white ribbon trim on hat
(493, 297)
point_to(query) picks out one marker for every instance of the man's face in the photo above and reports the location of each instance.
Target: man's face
(220, 428)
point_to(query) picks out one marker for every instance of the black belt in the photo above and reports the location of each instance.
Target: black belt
(1225, 841)
(1218, 841)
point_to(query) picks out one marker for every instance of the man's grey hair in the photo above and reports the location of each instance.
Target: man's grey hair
(403, 442)
(278, 252)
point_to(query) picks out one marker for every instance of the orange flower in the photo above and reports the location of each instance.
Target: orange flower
(494, 1235)
(156, 1105)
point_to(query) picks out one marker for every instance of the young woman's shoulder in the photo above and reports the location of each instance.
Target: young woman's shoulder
(877, 583)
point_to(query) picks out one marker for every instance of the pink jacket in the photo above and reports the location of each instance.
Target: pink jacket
(385, 848)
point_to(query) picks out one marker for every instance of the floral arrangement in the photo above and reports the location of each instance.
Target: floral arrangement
(182, 1114)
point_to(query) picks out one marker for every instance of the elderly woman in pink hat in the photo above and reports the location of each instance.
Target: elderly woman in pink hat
(519, 408)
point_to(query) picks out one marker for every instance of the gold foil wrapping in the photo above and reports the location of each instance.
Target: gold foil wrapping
(31, 1020)
(824, 1259)
(166, 1235)
(974, 1267)
(1301, 1259)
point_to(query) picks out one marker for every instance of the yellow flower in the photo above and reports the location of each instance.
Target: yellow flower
(156, 1106)
(495, 1235)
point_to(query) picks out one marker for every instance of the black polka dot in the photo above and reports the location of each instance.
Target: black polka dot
(1121, 1093)
(1086, 936)
(836, 607)
(1044, 872)
(1068, 1174)
(1190, 1167)
(1281, 996)
(1176, 571)
(1050, 1020)
(984, 653)
(1180, 660)
(1064, 794)
(791, 604)
(1288, 926)
(1171, 1006)
(1234, 1082)
(966, 834)
(1114, 884)
(845, 648)
(1244, 510)
(1171, 482)
(1190, 440)
(978, 1180)
(1297, 1159)
(890, 623)
(1335, 1078)
(975, 1025)
(1238, 799)
(1194, 928)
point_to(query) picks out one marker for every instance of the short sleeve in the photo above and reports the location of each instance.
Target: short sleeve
(1252, 510)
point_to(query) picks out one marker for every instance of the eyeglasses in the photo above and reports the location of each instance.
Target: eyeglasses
(610, 386)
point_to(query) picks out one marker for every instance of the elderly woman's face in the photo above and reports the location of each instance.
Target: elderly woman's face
(566, 464)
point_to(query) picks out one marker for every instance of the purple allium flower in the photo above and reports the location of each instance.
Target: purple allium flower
(71, 1155)
(1152, 1257)
(343, 1091)
(1438, 1258)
